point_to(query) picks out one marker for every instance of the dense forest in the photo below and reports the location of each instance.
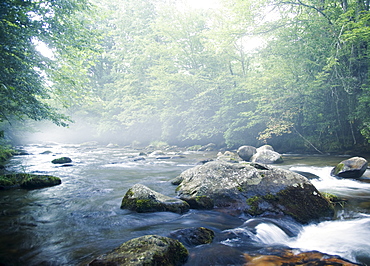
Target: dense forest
(293, 74)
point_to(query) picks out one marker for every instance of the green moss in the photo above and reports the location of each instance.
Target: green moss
(338, 168)
(253, 202)
(270, 197)
(303, 208)
(334, 200)
(29, 181)
(39, 181)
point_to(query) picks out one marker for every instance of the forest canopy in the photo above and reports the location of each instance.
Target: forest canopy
(142, 71)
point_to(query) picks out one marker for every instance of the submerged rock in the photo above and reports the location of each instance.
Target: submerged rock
(140, 198)
(62, 160)
(28, 181)
(294, 257)
(145, 250)
(255, 189)
(194, 236)
(354, 167)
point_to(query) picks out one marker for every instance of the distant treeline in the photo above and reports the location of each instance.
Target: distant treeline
(156, 70)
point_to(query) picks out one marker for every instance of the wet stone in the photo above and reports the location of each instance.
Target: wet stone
(140, 198)
(145, 250)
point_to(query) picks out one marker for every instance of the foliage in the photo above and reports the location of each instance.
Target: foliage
(164, 71)
(27, 76)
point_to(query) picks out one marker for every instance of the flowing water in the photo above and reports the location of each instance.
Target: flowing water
(74, 222)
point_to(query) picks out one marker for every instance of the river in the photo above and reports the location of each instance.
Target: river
(72, 223)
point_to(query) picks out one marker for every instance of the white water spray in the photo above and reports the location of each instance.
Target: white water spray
(346, 238)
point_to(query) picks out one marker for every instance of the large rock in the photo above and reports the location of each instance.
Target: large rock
(266, 154)
(246, 152)
(354, 167)
(253, 188)
(140, 198)
(145, 250)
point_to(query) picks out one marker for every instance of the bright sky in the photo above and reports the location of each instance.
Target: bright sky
(204, 3)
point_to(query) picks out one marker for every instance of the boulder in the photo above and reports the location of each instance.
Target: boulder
(62, 160)
(354, 167)
(140, 198)
(145, 250)
(264, 154)
(255, 189)
(246, 152)
(265, 148)
(194, 236)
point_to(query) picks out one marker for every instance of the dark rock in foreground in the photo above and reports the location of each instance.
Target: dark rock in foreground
(62, 160)
(28, 181)
(354, 167)
(140, 198)
(194, 236)
(255, 189)
(145, 250)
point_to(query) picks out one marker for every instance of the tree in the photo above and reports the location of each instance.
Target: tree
(25, 74)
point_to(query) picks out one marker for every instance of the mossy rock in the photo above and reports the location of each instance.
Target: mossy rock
(353, 167)
(40, 181)
(200, 202)
(145, 250)
(253, 188)
(194, 236)
(140, 198)
(62, 160)
(28, 181)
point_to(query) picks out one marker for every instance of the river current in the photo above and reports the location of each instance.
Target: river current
(72, 223)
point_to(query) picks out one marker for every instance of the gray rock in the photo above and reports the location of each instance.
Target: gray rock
(255, 189)
(267, 156)
(354, 167)
(145, 250)
(246, 152)
(140, 198)
(229, 156)
(265, 148)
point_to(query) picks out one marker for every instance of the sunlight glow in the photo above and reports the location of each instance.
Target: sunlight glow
(203, 4)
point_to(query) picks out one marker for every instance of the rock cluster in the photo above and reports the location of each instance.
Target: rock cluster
(264, 154)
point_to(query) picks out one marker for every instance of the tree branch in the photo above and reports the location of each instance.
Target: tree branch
(299, 3)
